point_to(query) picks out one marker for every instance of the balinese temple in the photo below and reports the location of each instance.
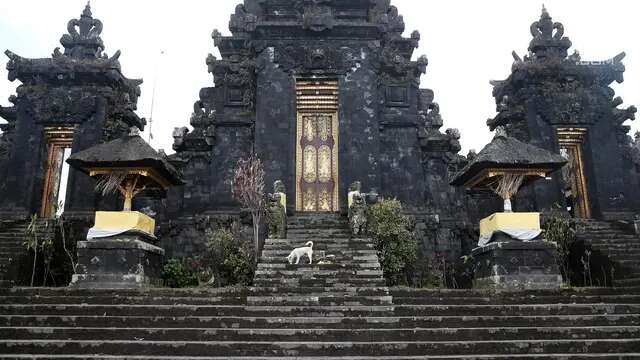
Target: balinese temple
(326, 93)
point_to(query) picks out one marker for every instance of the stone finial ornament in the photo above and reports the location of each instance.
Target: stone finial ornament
(83, 39)
(548, 38)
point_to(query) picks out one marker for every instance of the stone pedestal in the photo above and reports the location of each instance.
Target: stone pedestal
(516, 265)
(124, 261)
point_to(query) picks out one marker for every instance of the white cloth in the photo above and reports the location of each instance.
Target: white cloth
(103, 233)
(518, 234)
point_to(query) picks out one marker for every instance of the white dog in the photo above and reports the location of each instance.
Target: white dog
(299, 252)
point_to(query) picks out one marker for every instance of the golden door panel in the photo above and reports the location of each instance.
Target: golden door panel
(317, 162)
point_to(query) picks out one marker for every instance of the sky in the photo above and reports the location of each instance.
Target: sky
(468, 43)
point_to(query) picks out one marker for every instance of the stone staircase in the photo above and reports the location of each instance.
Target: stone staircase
(341, 310)
(352, 275)
(619, 245)
(12, 239)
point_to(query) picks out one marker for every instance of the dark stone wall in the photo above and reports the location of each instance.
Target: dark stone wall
(360, 146)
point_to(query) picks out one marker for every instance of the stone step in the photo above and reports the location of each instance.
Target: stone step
(329, 240)
(515, 299)
(311, 334)
(327, 247)
(629, 281)
(318, 299)
(352, 252)
(321, 273)
(316, 266)
(338, 259)
(398, 310)
(123, 300)
(319, 322)
(326, 282)
(599, 356)
(285, 348)
(346, 291)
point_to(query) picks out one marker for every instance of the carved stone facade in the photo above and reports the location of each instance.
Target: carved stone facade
(389, 129)
(389, 134)
(564, 104)
(80, 91)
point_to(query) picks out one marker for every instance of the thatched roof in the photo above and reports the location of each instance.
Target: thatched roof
(130, 151)
(505, 152)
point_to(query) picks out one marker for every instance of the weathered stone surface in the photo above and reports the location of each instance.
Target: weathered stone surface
(549, 89)
(121, 261)
(516, 265)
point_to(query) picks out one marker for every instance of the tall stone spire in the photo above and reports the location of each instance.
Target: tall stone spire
(83, 40)
(548, 38)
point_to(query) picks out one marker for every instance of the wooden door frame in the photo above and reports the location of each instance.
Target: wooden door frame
(58, 139)
(320, 97)
(572, 139)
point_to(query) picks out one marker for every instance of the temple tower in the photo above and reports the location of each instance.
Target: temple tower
(325, 93)
(68, 102)
(565, 104)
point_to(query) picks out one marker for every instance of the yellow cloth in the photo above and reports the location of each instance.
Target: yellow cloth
(350, 197)
(509, 221)
(124, 221)
(283, 201)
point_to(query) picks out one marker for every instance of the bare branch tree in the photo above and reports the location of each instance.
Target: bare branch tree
(248, 189)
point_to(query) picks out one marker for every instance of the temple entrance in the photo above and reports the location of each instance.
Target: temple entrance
(317, 146)
(59, 141)
(570, 141)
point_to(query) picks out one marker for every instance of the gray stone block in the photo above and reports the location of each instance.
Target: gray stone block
(516, 265)
(121, 261)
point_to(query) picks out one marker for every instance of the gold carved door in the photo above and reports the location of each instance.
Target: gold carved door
(317, 147)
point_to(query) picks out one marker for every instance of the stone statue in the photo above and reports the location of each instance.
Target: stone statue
(277, 211)
(357, 209)
(358, 215)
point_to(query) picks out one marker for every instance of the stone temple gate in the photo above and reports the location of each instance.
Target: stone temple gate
(326, 93)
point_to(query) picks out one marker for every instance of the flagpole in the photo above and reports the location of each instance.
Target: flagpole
(153, 97)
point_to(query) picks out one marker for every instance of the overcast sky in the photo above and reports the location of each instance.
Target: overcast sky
(467, 42)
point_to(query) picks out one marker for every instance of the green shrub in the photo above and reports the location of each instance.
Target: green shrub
(230, 260)
(176, 275)
(396, 245)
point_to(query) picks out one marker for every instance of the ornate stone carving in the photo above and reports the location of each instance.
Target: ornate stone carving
(276, 212)
(291, 57)
(357, 209)
(242, 22)
(548, 38)
(83, 39)
(317, 15)
(202, 138)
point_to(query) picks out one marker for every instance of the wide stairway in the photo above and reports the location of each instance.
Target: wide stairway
(339, 309)
(619, 245)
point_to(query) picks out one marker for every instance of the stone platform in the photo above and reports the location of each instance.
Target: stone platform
(122, 261)
(516, 265)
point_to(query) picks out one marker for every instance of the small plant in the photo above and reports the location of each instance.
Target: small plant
(396, 245)
(586, 265)
(560, 231)
(176, 275)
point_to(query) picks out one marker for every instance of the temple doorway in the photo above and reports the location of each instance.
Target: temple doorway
(317, 145)
(59, 141)
(570, 141)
